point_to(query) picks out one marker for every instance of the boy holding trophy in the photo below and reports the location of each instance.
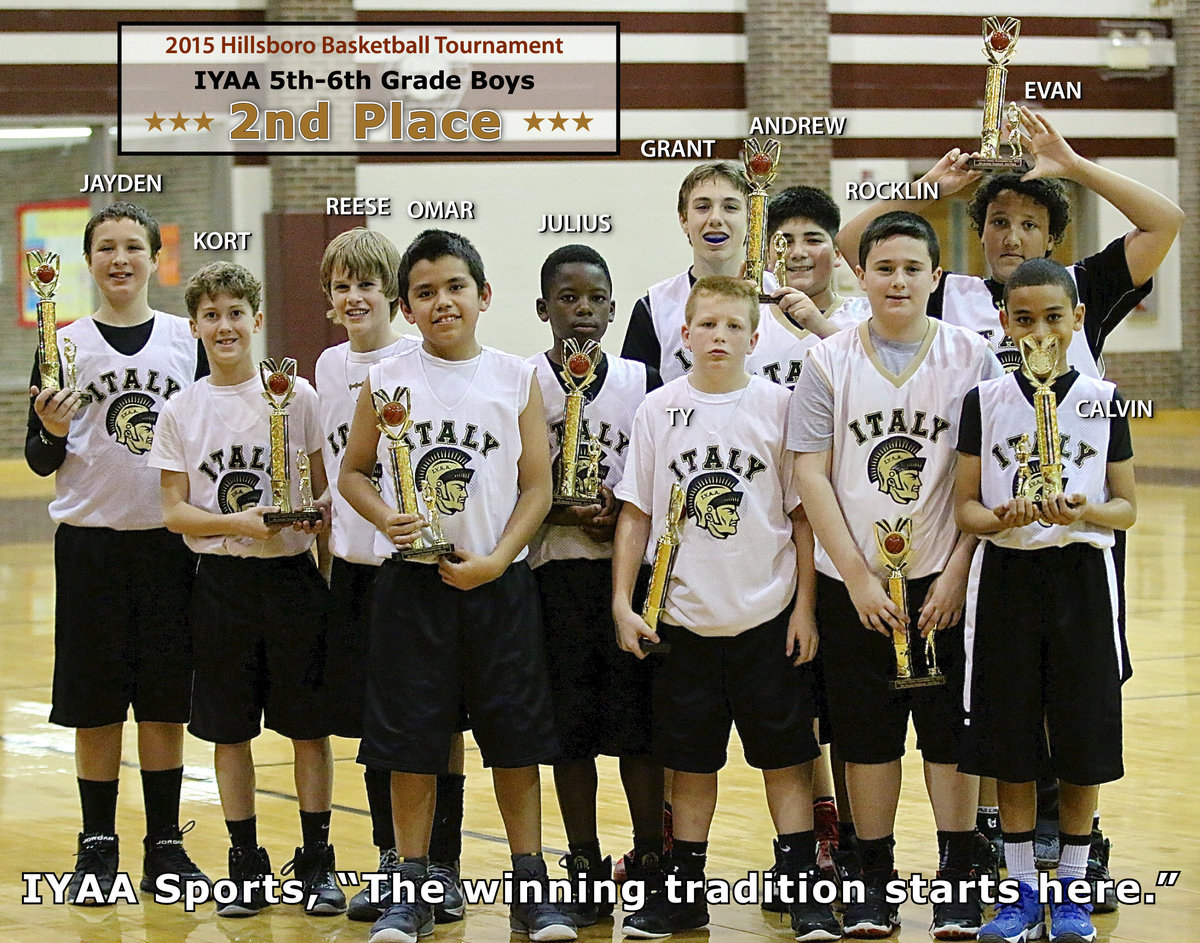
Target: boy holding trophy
(873, 418)
(111, 650)
(358, 275)
(467, 473)
(601, 694)
(1045, 477)
(736, 634)
(259, 604)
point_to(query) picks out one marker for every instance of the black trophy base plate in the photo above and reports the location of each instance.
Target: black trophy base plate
(765, 299)
(924, 681)
(575, 500)
(654, 648)
(302, 516)
(425, 552)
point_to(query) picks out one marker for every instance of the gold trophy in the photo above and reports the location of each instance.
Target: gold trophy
(69, 351)
(762, 164)
(665, 551)
(578, 482)
(279, 387)
(999, 44)
(895, 545)
(1039, 363)
(43, 269)
(394, 411)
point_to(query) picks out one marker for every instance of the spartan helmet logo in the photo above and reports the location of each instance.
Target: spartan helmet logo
(1009, 356)
(712, 501)
(895, 468)
(446, 468)
(237, 491)
(131, 420)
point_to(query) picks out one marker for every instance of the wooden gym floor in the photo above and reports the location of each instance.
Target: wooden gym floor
(1153, 824)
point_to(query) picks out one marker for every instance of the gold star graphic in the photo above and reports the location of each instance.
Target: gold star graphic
(155, 122)
(203, 122)
(583, 122)
(533, 122)
(558, 122)
(179, 122)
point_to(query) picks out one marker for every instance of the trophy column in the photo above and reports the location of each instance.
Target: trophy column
(43, 269)
(1039, 363)
(999, 44)
(895, 545)
(761, 166)
(665, 551)
(279, 387)
(579, 372)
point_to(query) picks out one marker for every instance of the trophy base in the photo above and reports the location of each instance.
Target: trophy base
(998, 164)
(575, 500)
(654, 648)
(432, 551)
(765, 299)
(302, 516)
(925, 681)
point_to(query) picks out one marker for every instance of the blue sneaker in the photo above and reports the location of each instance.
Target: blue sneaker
(1071, 922)
(1018, 922)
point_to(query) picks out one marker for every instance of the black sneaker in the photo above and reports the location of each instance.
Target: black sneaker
(984, 858)
(314, 865)
(452, 906)
(97, 857)
(247, 868)
(583, 873)
(539, 921)
(402, 923)
(848, 867)
(660, 917)
(361, 906)
(874, 918)
(165, 855)
(958, 919)
(1097, 870)
(774, 905)
(812, 921)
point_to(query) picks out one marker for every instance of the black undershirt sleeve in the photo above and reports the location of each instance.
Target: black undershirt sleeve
(936, 298)
(1107, 291)
(970, 425)
(641, 343)
(1120, 443)
(653, 379)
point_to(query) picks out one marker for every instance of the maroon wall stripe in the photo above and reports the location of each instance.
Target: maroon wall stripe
(919, 24)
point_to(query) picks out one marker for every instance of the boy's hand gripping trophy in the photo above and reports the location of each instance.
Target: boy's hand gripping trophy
(1039, 363)
(394, 411)
(999, 44)
(762, 164)
(665, 551)
(279, 387)
(895, 544)
(578, 482)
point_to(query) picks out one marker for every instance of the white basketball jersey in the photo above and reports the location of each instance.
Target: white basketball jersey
(1006, 414)
(668, 299)
(736, 564)
(608, 417)
(782, 347)
(221, 436)
(341, 374)
(894, 439)
(467, 450)
(104, 480)
(967, 302)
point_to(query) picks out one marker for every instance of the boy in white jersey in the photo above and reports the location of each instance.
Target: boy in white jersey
(358, 275)
(111, 650)
(601, 694)
(807, 308)
(713, 213)
(873, 418)
(466, 625)
(737, 632)
(1044, 663)
(259, 604)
